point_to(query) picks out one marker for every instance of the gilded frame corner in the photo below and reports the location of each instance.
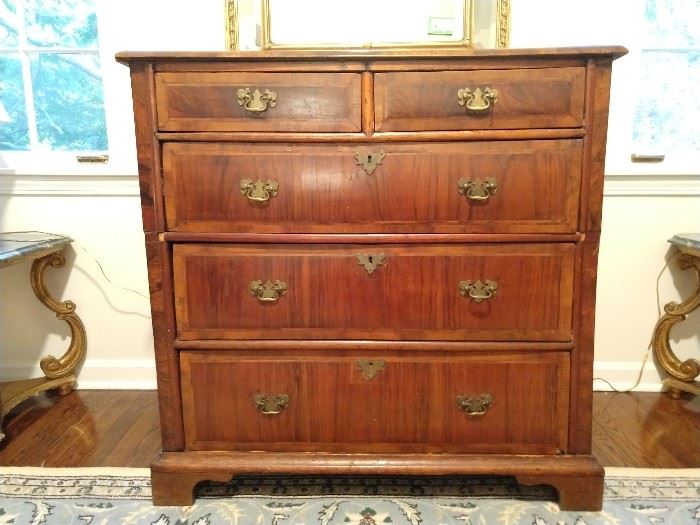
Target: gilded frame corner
(503, 23)
(231, 17)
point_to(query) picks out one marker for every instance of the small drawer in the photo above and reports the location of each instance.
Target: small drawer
(473, 187)
(390, 292)
(514, 403)
(258, 101)
(485, 99)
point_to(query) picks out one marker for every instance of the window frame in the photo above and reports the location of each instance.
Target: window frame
(118, 117)
(626, 80)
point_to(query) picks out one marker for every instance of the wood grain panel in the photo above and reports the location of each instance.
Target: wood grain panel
(527, 98)
(322, 188)
(147, 151)
(410, 405)
(160, 284)
(305, 102)
(635, 429)
(413, 295)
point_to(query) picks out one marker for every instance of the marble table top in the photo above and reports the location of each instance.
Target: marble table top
(16, 247)
(689, 242)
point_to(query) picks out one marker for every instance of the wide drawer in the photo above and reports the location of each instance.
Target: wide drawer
(258, 101)
(514, 403)
(476, 187)
(507, 99)
(404, 292)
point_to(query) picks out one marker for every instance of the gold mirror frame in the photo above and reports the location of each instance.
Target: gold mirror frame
(502, 30)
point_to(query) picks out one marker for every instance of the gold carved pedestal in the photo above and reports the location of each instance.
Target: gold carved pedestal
(59, 373)
(682, 373)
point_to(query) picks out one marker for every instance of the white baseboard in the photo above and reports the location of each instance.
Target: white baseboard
(95, 374)
(623, 375)
(651, 185)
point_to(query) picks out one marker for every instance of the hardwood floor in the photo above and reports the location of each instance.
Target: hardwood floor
(120, 428)
(646, 430)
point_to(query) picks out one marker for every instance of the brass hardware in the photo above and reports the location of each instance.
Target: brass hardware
(271, 404)
(369, 161)
(370, 369)
(477, 101)
(635, 157)
(478, 291)
(257, 101)
(475, 405)
(477, 190)
(260, 190)
(92, 159)
(370, 261)
(267, 292)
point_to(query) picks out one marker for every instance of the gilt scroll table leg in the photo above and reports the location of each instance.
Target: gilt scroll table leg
(683, 373)
(59, 373)
(65, 365)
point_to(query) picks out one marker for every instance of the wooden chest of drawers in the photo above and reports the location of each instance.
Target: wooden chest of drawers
(374, 262)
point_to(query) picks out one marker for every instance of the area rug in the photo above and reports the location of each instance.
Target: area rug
(35, 496)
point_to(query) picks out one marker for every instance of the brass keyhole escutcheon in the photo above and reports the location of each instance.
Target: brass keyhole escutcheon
(271, 404)
(478, 291)
(370, 261)
(256, 101)
(267, 292)
(370, 369)
(260, 190)
(369, 161)
(475, 406)
(477, 189)
(477, 101)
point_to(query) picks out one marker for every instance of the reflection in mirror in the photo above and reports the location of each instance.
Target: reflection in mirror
(309, 24)
(490, 23)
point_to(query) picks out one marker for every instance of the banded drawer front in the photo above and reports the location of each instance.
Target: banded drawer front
(475, 187)
(485, 99)
(513, 403)
(410, 292)
(244, 101)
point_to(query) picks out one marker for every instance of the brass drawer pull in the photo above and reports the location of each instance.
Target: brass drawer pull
(370, 261)
(478, 291)
(369, 161)
(260, 190)
(271, 404)
(477, 189)
(477, 101)
(267, 292)
(475, 406)
(257, 101)
(370, 369)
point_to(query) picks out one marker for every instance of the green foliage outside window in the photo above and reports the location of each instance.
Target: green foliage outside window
(50, 78)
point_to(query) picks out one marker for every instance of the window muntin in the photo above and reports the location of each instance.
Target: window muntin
(51, 85)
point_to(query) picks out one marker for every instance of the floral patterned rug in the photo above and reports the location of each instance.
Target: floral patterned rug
(35, 496)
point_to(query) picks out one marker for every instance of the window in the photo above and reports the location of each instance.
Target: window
(668, 108)
(51, 83)
(654, 109)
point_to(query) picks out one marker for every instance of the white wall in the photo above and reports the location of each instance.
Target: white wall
(103, 215)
